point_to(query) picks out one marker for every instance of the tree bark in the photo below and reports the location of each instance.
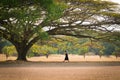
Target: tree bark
(22, 52)
(23, 47)
(22, 56)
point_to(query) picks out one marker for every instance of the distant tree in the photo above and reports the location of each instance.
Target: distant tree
(42, 50)
(9, 51)
(4, 43)
(114, 39)
(109, 48)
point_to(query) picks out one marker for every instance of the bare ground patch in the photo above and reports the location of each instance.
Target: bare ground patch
(60, 73)
(53, 68)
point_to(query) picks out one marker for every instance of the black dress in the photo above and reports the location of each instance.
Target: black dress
(66, 56)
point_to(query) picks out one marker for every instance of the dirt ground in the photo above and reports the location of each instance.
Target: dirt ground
(53, 68)
(61, 73)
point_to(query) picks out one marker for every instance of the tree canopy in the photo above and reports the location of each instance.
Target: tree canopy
(24, 22)
(84, 16)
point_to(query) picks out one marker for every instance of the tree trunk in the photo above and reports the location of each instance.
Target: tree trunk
(22, 56)
(23, 47)
(22, 52)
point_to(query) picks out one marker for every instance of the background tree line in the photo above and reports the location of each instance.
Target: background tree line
(58, 45)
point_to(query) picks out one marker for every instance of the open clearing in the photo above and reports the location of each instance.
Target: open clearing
(72, 58)
(60, 73)
(53, 68)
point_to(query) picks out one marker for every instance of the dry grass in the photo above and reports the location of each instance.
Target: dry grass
(74, 58)
(59, 58)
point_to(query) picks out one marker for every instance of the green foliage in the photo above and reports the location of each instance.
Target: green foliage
(71, 44)
(83, 50)
(116, 52)
(80, 46)
(43, 49)
(9, 50)
(24, 16)
(22, 21)
(54, 13)
(109, 48)
(4, 43)
(114, 38)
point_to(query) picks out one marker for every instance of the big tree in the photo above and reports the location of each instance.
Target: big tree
(21, 21)
(24, 22)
